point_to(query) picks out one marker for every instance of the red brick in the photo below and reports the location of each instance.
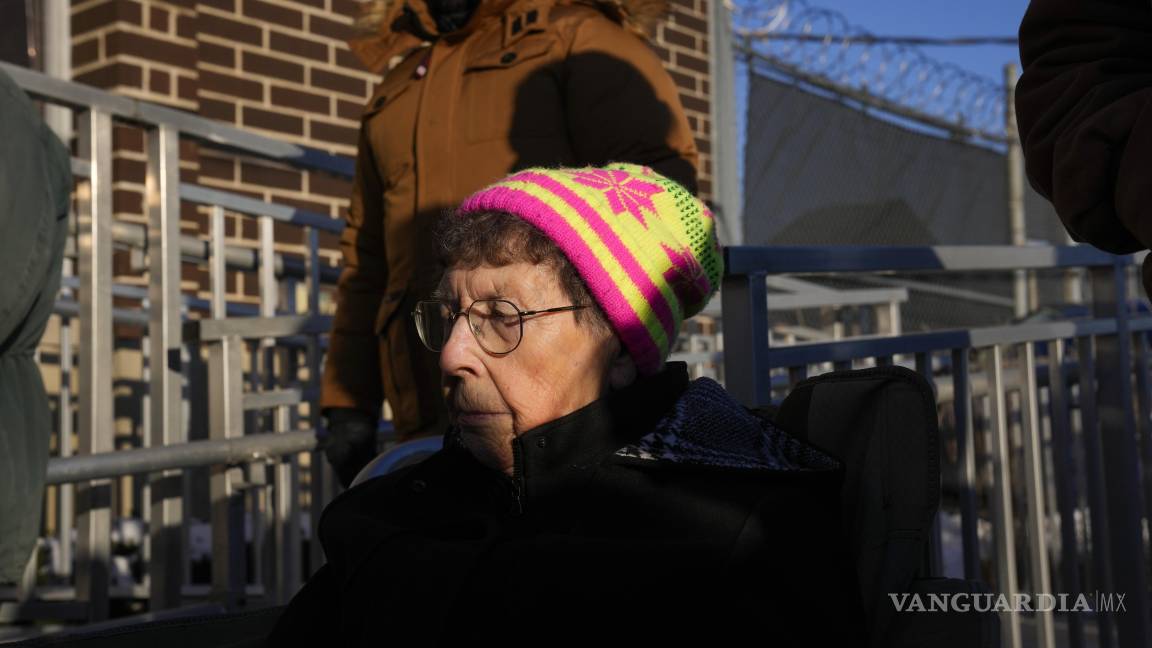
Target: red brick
(266, 176)
(127, 138)
(704, 187)
(319, 4)
(187, 88)
(692, 62)
(346, 59)
(220, 110)
(105, 14)
(286, 232)
(187, 27)
(273, 121)
(248, 228)
(349, 8)
(230, 29)
(113, 75)
(155, 49)
(690, 23)
(327, 185)
(223, 5)
(339, 83)
(159, 82)
(125, 170)
(264, 11)
(85, 52)
(298, 46)
(334, 133)
(673, 36)
(698, 105)
(126, 201)
(684, 81)
(330, 28)
(217, 54)
(663, 52)
(349, 109)
(158, 19)
(273, 67)
(329, 240)
(298, 100)
(218, 168)
(231, 85)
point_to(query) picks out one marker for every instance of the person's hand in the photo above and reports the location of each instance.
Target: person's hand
(351, 443)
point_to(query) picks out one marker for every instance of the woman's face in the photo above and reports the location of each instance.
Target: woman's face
(559, 366)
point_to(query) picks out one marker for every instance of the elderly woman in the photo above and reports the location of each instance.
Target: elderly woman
(587, 489)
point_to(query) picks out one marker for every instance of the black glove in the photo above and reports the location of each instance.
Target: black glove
(351, 441)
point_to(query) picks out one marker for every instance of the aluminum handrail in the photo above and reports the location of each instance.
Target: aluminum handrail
(217, 134)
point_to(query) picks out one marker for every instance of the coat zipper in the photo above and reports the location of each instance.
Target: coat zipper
(517, 478)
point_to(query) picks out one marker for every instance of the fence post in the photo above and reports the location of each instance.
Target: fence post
(1121, 458)
(745, 306)
(226, 412)
(1017, 230)
(162, 191)
(94, 499)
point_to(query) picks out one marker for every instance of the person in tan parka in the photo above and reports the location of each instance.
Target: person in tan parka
(473, 90)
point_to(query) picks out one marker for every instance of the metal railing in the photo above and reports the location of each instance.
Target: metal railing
(1042, 421)
(255, 466)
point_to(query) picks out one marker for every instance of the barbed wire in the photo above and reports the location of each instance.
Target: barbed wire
(891, 74)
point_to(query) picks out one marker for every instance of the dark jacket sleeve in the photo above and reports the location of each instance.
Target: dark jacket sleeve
(1084, 106)
(311, 618)
(352, 368)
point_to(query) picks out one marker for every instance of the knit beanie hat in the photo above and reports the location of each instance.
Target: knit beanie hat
(645, 247)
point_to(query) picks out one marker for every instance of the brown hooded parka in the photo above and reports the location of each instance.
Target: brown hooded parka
(524, 83)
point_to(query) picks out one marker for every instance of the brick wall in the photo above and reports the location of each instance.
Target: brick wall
(682, 43)
(281, 68)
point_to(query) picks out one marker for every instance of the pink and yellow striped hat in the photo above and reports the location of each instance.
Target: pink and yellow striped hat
(645, 247)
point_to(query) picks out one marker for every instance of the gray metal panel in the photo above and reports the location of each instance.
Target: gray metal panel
(226, 413)
(93, 550)
(966, 452)
(162, 196)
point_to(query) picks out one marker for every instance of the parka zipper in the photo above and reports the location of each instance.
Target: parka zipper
(517, 478)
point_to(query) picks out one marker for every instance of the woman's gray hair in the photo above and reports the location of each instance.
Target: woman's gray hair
(498, 238)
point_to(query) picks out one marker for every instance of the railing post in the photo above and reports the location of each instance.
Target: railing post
(162, 194)
(1034, 491)
(1121, 458)
(1067, 497)
(94, 499)
(1002, 515)
(226, 412)
(745, 306)
(966, 451)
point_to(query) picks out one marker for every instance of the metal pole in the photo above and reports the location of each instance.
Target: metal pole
(94, 499)
(1034, 489)
(58, 61)
(1018, 235)
(1002, 515)
(162, 195)
(226, 411)
(725, 150)
(745, 307)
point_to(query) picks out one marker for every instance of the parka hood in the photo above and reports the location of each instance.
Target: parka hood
(394, 27)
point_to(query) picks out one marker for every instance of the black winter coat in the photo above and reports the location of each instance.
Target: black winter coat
(664, 513)
(1084, 106)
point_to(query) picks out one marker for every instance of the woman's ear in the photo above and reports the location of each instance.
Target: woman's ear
(622, 370)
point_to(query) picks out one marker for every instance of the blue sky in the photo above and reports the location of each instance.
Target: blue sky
(942, 18)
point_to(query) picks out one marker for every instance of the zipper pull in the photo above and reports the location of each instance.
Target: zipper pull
(517, 497)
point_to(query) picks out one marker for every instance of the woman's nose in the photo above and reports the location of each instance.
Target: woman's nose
(457, 352)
